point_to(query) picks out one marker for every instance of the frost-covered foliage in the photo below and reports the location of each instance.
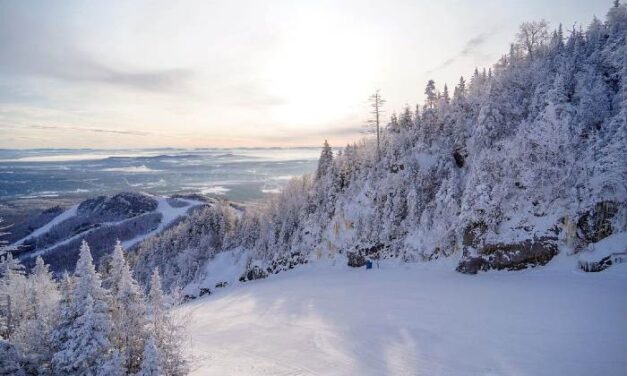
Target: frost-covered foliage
(181, 251)
(508, 168)
(165, 329)
(5, 247)
(150, 363)
(82, 326)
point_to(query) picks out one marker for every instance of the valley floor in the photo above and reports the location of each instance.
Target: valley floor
(415, 320)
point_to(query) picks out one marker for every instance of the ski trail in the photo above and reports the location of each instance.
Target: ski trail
(69, 213)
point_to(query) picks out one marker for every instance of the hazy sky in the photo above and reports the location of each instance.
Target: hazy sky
(238, 73)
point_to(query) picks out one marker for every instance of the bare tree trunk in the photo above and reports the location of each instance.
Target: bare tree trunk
(376, 102)
(9, 318)
(378, 129)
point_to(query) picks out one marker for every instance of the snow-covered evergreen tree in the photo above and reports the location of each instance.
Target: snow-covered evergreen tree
(5, 247)
(128, 311)
(10, 361)
(114, 366)
(151, 362)
(82, 341)
(13, 295)
(33, 334)
(325, 161)
(166, 330)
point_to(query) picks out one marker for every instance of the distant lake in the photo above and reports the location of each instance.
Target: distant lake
(238, 174)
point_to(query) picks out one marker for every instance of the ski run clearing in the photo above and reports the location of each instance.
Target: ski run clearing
(415, 320)
(168, 212)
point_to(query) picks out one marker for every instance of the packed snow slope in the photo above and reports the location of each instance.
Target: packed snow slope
(410, 320)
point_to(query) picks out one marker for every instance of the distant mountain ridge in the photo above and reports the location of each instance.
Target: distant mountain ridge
(128, 216)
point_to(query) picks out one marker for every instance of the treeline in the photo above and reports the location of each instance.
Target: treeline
(88, 323)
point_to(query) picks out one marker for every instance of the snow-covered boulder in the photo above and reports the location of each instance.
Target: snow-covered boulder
(252, 273)
(513, 256)
(356, 260)
(605, 253)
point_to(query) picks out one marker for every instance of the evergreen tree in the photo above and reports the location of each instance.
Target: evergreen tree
(10, 266)
(128, 311)
(13, 292)
(406, 120)
(460, 90)
(325, 161)
(4, 244)
(431, 94)
(61, 332)
(151, 360)
(114, 366)
(394, 126)
(445, 96)
(33, 334)
(167, 332)
(85, 345)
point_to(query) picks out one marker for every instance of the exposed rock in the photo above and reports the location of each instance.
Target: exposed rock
(459, 158)
(440, 252)
(516, 256)
(356, 260)
(473, 234)
(595, 224)
(255, 273)
(374, 251)
(286, 262)
(220, 285)
(519, 185)
(472, 265)
(604, 263)
(396, 168)
(205, 291)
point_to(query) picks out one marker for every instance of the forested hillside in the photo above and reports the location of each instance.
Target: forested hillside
(519, 162)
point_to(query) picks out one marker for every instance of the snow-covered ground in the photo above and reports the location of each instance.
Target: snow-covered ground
(69, 213)
(415, 320)
(169, 214)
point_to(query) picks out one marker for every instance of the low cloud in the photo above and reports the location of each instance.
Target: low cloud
(88, 71)
(87, 129)
(472, 48)
(41, 42)
(320, 133)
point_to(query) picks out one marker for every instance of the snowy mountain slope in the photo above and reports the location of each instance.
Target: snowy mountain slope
(525, 160)
(131, 217)
(415, 319)
(69, 213)
(168, 213)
